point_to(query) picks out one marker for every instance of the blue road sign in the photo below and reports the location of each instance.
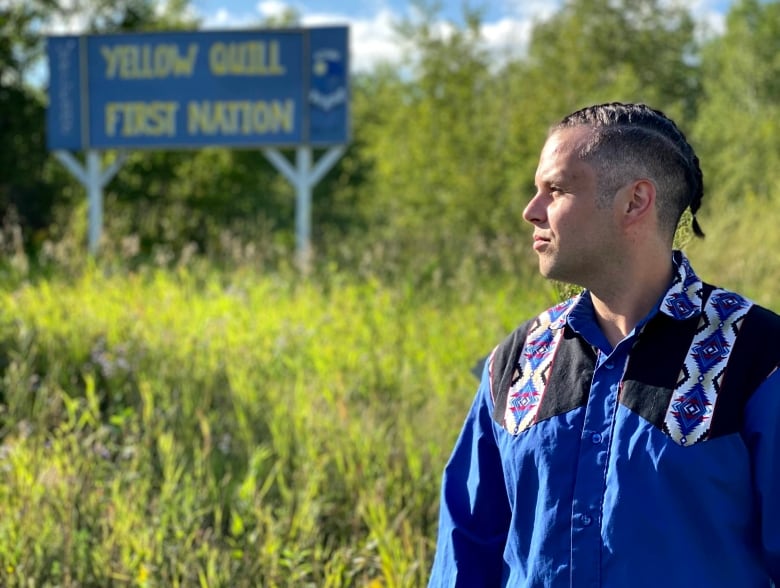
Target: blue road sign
(279, 87)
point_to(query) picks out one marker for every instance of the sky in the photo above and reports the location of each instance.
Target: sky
(506, 23)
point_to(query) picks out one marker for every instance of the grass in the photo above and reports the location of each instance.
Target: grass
(740, 249)
(195, 427)
(201, 429)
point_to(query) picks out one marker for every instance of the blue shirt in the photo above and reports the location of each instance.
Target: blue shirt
(599, 497)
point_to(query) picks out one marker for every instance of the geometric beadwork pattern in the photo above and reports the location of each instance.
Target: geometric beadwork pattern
(683, 298)
(533, 367)
(689, 416)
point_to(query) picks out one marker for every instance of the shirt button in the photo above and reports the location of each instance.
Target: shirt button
(596, 438)
(609, 365)
(586, 520)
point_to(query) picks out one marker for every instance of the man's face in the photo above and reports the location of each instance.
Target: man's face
(574, 234)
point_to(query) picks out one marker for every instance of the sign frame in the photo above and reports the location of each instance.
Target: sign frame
(238, 88)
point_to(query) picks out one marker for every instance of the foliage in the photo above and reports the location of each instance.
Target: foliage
(177, 428)
(739, 123)
(737, 135)
(34, 190)
(195, 426)
(433, 143)
(451, 139)
(595, 51)
(26, 197)
(738, 252)
(163, 198)
(444, 147)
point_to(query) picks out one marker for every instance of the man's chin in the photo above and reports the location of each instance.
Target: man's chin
(548, 270)
(564, 282)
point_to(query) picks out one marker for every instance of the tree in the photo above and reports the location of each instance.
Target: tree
(32, 184)
(629, 50)
(435, 137)
(738, 129)
(24, 195)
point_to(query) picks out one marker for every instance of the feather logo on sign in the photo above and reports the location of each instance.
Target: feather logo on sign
(328, 79)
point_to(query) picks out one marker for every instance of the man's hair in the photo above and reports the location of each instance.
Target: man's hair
(632, 141)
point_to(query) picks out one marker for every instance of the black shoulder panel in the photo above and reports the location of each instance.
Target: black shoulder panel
(504, 369)
(569, 380)
(571, 377)
(654, 366)
(755, 355)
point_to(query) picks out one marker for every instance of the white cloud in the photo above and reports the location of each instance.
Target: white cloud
(527, 11)
(72, 20)
(272, 8)
(507, 38)
(72, 16)
(711, 16)
(223, 18)
(373, 39)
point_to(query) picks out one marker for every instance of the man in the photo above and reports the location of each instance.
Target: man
(630, 436)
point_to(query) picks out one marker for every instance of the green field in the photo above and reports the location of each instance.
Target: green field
(196, 427)
(189, 427)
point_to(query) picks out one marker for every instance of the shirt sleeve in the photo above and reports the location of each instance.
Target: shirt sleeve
(474, 514)
(762, 424)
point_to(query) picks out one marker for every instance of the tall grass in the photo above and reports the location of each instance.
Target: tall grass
(740, 249)
(200, 427)
(197, 428)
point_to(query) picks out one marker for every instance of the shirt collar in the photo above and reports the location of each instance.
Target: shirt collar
(682, 300)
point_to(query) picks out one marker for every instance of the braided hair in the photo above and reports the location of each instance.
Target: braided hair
(633, 140)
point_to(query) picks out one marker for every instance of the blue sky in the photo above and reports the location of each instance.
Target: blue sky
(505, 31)
(354, 9)
(506, 23)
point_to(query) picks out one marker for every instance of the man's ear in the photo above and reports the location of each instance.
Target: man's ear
(639, 200)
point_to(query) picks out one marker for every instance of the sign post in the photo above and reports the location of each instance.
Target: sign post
(303, 177)
(267, 89)
(94, 180)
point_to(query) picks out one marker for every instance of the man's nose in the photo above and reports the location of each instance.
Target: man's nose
(535, 211)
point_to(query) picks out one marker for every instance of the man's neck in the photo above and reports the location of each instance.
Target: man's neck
(620, 306)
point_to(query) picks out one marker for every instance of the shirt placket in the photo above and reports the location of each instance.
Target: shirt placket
(590, 484)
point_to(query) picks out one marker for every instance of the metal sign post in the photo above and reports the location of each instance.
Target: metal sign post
(94, 180)
(303, 177)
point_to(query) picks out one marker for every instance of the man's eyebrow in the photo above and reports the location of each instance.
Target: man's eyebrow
(556, 179)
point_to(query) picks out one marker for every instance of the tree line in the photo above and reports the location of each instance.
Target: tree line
(444, 143)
